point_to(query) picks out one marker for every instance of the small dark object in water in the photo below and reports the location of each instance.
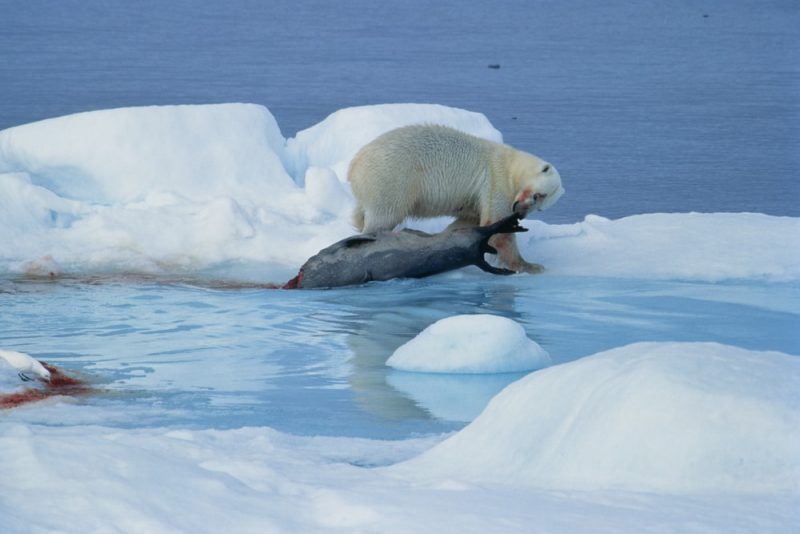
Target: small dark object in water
(494, 66)
(406, 254)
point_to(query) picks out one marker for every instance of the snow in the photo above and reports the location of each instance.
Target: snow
(217, 191)
(124, 155)
(678, 418)
(479, 343)
(690, 246)
(647, 437)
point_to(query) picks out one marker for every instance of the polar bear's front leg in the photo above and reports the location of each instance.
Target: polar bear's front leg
(507, 251)
(495, 208)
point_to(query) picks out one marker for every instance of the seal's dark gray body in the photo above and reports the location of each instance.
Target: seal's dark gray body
(406, 254)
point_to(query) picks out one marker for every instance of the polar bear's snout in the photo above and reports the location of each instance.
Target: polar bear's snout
(541, 200)
(527, 201)
(540, 196)
(523, 204)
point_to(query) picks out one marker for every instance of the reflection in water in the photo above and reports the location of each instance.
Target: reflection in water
(451, 397)
(388, 315)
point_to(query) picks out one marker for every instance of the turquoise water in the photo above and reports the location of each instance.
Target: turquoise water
(313, 362)
(643, 106)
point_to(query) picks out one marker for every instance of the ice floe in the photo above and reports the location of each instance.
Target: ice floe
(217, 190)
(479, 343)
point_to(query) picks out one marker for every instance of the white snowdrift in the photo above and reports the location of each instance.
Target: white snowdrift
(333, 142)
(124, 155)
(682, 418)
(692, 246)
(478, 343)
(95, 479)
(216, 190)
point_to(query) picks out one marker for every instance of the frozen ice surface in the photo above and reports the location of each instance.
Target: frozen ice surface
(479, 343)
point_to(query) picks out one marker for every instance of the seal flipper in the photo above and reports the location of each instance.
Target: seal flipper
(506, 225)
(484, 265)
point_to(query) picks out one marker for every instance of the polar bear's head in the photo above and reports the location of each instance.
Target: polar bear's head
(536, 183)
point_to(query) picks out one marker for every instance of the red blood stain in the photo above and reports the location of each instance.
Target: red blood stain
(60, 384)
(12, 400)
(500, 241)
(295, 282)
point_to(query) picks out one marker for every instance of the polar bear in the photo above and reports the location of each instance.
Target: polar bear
(432, 170)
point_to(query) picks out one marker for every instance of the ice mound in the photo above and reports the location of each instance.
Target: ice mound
(204, 189)
(126, 154)
(691, 246)
(162, 189)
(333, 142)
(470, 344)
(653, 417)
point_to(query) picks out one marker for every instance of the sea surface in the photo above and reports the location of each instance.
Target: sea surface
(645, 106)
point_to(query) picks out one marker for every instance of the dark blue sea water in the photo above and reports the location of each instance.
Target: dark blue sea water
(644, 106)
